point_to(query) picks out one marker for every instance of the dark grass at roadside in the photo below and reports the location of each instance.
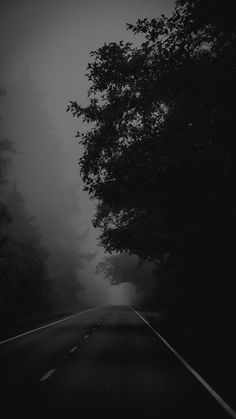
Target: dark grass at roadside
(208, 346)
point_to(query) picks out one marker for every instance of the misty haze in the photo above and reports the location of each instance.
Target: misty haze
(117, 208)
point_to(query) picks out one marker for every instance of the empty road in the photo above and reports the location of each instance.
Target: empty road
(105, 361)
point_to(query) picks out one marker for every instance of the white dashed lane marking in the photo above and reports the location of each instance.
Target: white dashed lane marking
(47, 375)
(50, 372)
(73, 349)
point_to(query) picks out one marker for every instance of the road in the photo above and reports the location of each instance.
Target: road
(105, 361)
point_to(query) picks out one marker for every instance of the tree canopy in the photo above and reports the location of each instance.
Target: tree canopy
(159, 153)
(160, 144)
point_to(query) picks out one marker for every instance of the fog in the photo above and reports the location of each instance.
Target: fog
(44, 53)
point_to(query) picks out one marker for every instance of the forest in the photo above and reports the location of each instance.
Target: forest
(117, 207)
(39, 262)
(159, 161)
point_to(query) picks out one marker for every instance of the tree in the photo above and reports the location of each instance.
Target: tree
(23, 263)
(123, 268)
(159, 155)
(6, 149)
(40, 171)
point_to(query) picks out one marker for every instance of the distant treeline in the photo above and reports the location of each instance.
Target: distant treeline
(160, 156)
(35, 283)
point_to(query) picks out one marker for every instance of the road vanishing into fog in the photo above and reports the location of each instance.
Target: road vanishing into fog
(104, 361)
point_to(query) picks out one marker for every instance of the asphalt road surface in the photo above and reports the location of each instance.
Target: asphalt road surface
(105, 362)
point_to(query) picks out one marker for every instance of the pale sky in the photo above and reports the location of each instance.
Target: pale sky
(44, 52)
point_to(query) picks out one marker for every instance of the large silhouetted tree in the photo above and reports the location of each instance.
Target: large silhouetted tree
(159, 155)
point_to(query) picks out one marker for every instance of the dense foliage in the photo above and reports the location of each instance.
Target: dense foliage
(124, 268)
(23, 262)
(159, 155)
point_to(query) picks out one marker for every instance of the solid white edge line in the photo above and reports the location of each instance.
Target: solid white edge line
(47, 375)
(46, 325)
(212, 392)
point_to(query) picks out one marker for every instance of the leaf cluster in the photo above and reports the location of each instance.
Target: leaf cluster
(159, 156)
